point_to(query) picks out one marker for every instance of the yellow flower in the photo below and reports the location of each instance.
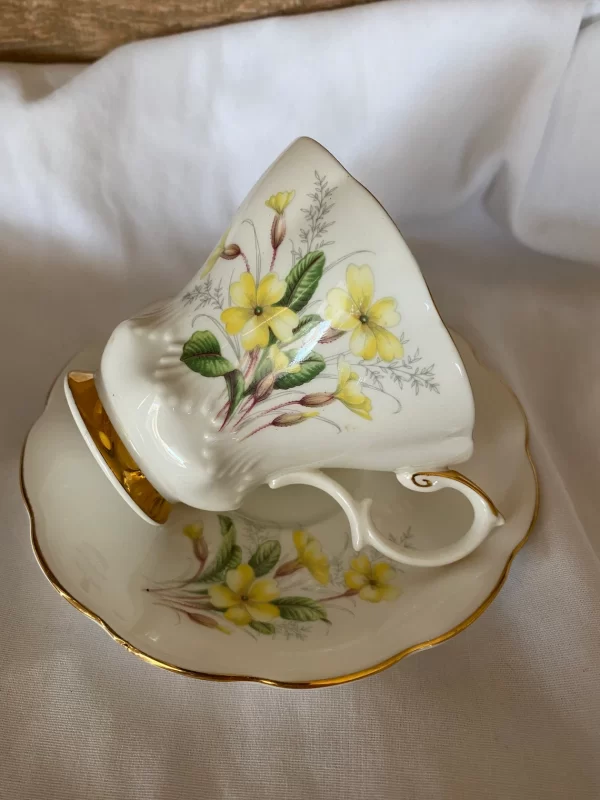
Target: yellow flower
(352, 309)
(281, 361)
(311, 556)
(215, 255)
(372, 581)
(244, 598)
(280, 201)
(193, 531)
(349, 392)
(255, 313)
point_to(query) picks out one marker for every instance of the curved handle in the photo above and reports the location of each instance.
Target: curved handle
(363, 532)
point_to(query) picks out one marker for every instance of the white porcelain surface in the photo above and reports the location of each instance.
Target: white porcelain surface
(307, 340)
(131, 576)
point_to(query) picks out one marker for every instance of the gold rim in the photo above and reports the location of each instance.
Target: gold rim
(111, 449)
(317, 684)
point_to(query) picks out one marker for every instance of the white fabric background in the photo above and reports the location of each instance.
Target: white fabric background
(477, 124)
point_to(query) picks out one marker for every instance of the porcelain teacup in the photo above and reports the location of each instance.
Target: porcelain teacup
(307, 340)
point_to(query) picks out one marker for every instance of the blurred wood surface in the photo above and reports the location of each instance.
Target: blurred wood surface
(83, 30)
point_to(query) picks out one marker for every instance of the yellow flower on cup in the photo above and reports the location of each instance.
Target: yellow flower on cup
(350, 394)
(353, 309)
(372, 581)
(255, 314)
(311, 556)
(244, 598)
(280, 201)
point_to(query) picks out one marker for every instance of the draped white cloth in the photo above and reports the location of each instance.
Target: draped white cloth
(478, 126)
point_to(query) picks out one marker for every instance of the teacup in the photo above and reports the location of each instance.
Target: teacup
(307, 340)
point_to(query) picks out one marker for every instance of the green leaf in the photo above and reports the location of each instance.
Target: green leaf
(202, 353)
(228, 555)
(301, 609)
(234, 561)
(227, 527)
(234, 381)
(263, 627)
(265, 557)
(302, 281)
(310, 367)
(306, 324)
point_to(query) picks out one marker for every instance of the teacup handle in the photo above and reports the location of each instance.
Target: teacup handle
(486, 516)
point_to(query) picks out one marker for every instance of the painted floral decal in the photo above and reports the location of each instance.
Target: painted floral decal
(279, 347)
(352, 309)
(267, 588)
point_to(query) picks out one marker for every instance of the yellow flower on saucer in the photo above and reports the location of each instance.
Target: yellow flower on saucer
(193, 531)
(352, 309)
(281, 361)
(280, 201)
(350, 394)
(311, 556)
(215, 255)
(372, 581)
(255, 313)
(244, 598)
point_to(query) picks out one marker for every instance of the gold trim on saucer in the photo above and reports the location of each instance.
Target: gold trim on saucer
(453, 475)
(113, 451)
(339, 679)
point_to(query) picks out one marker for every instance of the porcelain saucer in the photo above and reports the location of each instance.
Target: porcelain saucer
(274, 592)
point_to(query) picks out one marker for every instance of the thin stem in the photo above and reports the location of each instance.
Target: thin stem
(347, 593)
(244, 413)
(268, 411)
(343, 258)
(257, 247)
(245, 260)
(273, 259)
(275, 408)
(242, 423)
(198, 606)
(329, 422)
(383, 391)
(335, 356)
(262, 427)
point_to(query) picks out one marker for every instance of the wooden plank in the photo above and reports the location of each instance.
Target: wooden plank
(84, 30)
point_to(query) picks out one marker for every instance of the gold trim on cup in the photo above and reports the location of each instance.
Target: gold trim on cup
(453, 475)
(114, 453)
(316, 684)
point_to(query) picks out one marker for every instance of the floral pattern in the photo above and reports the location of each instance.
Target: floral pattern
(267, 588)
(373, 582)
(278, 347)
(244, 597)
(255, 317)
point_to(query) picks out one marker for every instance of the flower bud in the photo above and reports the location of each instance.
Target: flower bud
(230, 252)
(264, 388)
(330, 336)
(206, 621)
(294, 418)
(278, 229)
(288, 568)
(317, 399)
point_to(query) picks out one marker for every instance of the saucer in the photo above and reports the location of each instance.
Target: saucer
(274, 592)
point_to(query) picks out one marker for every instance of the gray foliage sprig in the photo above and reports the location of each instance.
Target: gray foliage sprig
(291, 629)
(206, 294)
(402, 372)
(313, 237)
(402, 540)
